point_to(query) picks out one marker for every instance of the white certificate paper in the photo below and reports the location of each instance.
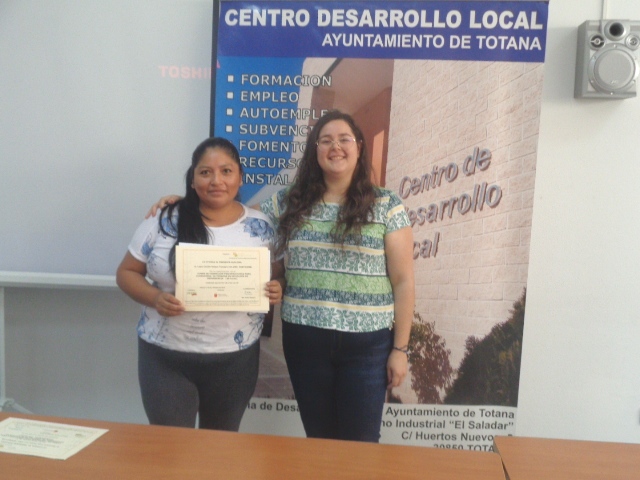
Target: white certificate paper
(212, 278)
(44, 439)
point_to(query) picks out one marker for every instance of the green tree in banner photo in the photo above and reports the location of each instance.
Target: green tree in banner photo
(490, 371)
(431, 370)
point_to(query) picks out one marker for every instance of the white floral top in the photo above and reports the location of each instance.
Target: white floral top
(200, 332)
(331, 287)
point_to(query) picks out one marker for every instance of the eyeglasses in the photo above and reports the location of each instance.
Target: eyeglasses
(344, 143)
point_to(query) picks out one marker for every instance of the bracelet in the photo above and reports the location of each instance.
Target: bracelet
(404, 350)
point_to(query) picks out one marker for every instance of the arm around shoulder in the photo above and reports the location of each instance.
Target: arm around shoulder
(166, 200)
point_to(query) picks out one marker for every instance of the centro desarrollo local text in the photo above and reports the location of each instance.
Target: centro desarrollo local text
(382, 18)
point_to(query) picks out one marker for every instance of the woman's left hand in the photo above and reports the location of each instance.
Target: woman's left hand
(274, 291)
(166, 200)
(397, 368)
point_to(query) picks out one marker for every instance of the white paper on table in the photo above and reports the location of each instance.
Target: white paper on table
(45, 439)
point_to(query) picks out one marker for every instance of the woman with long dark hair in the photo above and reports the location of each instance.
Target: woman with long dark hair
(349, 292)
(349, 295)
(202, 364)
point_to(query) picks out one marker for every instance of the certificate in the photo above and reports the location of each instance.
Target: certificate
(45, 439)
(213, 278)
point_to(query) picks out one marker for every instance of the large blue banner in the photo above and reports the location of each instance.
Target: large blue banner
(504, 31)
(447, 95)
(262, 47)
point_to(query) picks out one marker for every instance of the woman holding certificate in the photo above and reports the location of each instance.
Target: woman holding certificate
(349, 296)
(196, 363)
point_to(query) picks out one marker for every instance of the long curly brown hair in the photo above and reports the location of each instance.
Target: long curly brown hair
(309, 187)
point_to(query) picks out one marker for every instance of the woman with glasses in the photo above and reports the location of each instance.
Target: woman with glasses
(349, 296)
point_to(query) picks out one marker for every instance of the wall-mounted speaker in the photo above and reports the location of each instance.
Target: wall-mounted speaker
(608, 59)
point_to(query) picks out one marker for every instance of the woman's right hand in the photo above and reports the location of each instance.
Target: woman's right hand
(166, 200)
(131, 278)
(167, 305)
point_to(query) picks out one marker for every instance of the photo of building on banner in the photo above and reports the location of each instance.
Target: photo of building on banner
(448, 96)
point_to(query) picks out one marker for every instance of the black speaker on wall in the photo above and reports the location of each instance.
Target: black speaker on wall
(608, 59)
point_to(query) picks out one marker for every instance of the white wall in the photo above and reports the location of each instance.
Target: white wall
(73, 352)
(580, 375)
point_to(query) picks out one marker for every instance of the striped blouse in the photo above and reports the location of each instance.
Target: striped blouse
(335, 287)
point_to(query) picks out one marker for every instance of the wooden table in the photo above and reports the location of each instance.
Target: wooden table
(546, 459)
(141, 452)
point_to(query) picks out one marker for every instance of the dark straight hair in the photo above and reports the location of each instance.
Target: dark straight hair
(190, 226)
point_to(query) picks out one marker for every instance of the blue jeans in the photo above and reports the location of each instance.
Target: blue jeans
(339, 380)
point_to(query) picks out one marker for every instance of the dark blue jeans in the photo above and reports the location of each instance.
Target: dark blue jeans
(339, 380)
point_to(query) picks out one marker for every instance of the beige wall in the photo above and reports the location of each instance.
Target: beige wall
(441, 111)
(372, 118)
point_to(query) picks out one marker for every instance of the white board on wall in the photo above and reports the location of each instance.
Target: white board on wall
(102, 105)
